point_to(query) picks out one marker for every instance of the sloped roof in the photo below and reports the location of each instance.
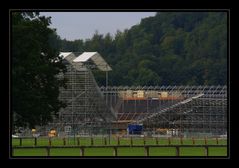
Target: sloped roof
(84, 57)
(64, 54)
(96, 58)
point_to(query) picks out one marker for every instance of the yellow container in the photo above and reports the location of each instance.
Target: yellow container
(164, 94)
(152, 94)
(140, 94)
(129, 93)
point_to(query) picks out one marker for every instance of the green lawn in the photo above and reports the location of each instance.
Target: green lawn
(132, 151)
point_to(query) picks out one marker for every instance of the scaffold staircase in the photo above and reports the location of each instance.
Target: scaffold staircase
(168, 108)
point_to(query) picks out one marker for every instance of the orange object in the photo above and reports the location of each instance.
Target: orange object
(52, 133)
(134, 98)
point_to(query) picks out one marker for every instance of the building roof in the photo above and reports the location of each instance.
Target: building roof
(96, 58)
(85, 56)
(64, 54)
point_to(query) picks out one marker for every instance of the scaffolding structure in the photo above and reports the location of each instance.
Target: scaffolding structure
(171, 110)
(86, 110)
(180, 110)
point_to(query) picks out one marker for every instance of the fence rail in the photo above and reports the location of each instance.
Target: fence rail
(115, 148)
(118, 140)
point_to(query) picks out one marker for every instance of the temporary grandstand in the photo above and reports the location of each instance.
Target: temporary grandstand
(162, 110)
(180, 110)
(86, 111)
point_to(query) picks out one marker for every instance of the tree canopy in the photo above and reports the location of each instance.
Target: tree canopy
(35, 64)
(170, 48)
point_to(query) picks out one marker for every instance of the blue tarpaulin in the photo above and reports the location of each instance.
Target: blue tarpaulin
(135, 129)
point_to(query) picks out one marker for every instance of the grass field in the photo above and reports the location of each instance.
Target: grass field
(134, 151)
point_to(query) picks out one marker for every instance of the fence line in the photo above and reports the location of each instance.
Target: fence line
(115, 148)
(131, 139)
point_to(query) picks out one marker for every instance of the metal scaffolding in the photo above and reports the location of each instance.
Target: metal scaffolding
(86, 112)
(182, 110)
(171, 110)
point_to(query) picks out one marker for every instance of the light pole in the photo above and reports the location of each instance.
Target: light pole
(106, 96)
(106, 86)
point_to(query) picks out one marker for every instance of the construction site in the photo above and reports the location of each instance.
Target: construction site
(175, 111)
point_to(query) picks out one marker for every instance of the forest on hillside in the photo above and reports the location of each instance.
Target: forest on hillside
(170, 48)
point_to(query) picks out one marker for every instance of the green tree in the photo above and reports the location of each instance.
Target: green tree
(35, 65)
(175, 48)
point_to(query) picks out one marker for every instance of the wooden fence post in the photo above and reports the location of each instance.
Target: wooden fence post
(105, 140)
(146, 151)
(48, 151)
(157, 141)
(217, 140)
(115, 152)
(78, 141)
(131, 141)
(64, 141)
(82, 151)
(177, 151)
(169, 141)
(181, 140)
(35, 141)
(193, 140)
(118, 141)
(92, 141)
(206, 151)
(20, 142)
(205, 139)
(144, 140)
(49, 141)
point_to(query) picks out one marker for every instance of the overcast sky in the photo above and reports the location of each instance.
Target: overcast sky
(82, 25)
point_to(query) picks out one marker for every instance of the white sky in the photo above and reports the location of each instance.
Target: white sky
(82, 25)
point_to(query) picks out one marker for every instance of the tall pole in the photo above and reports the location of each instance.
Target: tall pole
(106, 86)
(106, 96)
(85, 99)
(72, 103)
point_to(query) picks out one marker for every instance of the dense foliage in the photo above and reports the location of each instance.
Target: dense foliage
(35, 64)
(171, 48)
